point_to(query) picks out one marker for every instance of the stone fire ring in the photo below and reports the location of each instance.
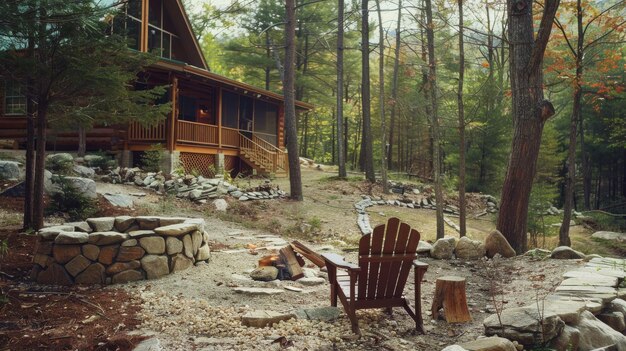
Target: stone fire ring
(111, 250)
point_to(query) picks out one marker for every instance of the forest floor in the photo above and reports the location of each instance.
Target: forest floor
(198, 309)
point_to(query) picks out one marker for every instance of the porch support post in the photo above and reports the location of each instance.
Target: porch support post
(143, 39)
(171, 130)
(219, 117)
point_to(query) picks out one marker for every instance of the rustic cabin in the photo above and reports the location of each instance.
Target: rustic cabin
(215, 123)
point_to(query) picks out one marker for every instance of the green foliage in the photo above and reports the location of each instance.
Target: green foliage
(68, 200)
(151, 159)
(103, 161)
(60, 165)
(608, 222)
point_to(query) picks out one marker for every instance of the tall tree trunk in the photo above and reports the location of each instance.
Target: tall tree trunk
(341, 138)
(40, 164)
(394, 88)
(426, 92)
(268, 54)
(367, 151)
(530, 111)
(295, 179)
(586, 167)
(570, 180)
(29, 182)
(381, 97)
(432, 88)
(82, 141)
(462, 205)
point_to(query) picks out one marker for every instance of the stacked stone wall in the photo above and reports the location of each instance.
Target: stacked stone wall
(111, 250)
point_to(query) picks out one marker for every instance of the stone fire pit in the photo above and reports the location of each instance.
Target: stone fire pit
(111, 250)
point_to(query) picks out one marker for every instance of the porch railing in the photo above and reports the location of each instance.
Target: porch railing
(230, 137)
(139, 132)
(281, 160)
(197, 133)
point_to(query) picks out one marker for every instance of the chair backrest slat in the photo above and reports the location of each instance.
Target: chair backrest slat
(385, 258)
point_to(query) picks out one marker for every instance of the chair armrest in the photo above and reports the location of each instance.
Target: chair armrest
(338, 261)
(420, 264)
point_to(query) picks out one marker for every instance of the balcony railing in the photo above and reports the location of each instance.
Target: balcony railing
(139, 132)
(230, 137)
(197, 133)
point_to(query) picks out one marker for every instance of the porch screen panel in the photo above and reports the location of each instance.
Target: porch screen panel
(246, 108)
(187, 108)
(266, 121)
(230, 110)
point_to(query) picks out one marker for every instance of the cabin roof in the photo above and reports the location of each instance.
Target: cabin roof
(191, 44)
(182, 67)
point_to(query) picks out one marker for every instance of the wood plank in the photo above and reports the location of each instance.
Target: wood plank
(405, 268)
(375, 250)
(290, 260)
(309, 254)
(385, 275)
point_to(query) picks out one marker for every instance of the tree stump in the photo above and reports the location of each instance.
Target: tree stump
(450, 294)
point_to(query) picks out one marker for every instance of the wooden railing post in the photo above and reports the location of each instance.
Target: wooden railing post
(171, 135)
(219, 117)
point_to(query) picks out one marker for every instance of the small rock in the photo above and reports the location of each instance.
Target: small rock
(77, 265)
(181, 262)
(266, 273)
(468, 249)
(261, 319)
(155, 266)
(491, 343)
(102, 224)
(566, 253)
(65, 253)
(71, 238)
(107, 238)
(220, 205)
(94, 274)
(176, 229)
(424, 247)
(496, 243)
(153, 244)
(174, 245)
(443, 248)
(125, 277)
(311, 281)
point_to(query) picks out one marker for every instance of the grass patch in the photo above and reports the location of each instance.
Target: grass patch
(10, 218)
(352, 179)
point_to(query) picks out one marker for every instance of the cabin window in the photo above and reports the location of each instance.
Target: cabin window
(128, 23)
(230, 109)
(14, 98)
(159, 39)
(266, 121)
(187, 108)
(204, 112)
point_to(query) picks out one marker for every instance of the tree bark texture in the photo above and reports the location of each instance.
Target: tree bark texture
(295, 180)
(367, 149)
(462, 202)
(394, 89)
(432, 88)
(570, 180)
(530, 111)
(341, 155)
(40, 164)
(381, 97)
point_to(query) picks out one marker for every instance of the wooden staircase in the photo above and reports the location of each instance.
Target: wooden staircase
(264, 157)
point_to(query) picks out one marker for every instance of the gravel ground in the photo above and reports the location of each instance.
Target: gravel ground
(197, 309)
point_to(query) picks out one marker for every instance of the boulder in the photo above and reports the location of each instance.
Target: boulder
(129, 253)
(204, 253)
(493, 343)
(614, 320)
(155, 266)
(80, 226)
(94, 274)
(9, 170)
(566, 253)
(122, 223)
(265, 273)
(453, 348)
(101, 224)
(220, 205)
(524, 325)
(443, 248)
(136, 234)
(119, 200)
(496, 243)
(567, 340)
(188, 246)
(65, 253)
(173, 245)
(107, 254)
(59, 162)
(595, 334)
(153, 244)
(423, 247)
(181, 262)
(617, 305)
(130, 242)
(77, 265)
(83, 171)
(91, 251)
(196, 241)
(468, 249)
(127, 276)
(107, 238)
(147, 223)
(312, 281)
(55, 274)
(262, 319)
(611, 236)
(118, 267)
(71, 238)
(177, 229)
(84, 186)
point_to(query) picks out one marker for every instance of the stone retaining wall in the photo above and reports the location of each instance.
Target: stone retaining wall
(118, 249)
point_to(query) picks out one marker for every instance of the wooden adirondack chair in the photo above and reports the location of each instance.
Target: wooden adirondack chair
(385, 259)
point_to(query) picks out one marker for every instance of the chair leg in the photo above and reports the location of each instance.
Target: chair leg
(333, 294)
(353, 321)
(419, 323)
(389, 311)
